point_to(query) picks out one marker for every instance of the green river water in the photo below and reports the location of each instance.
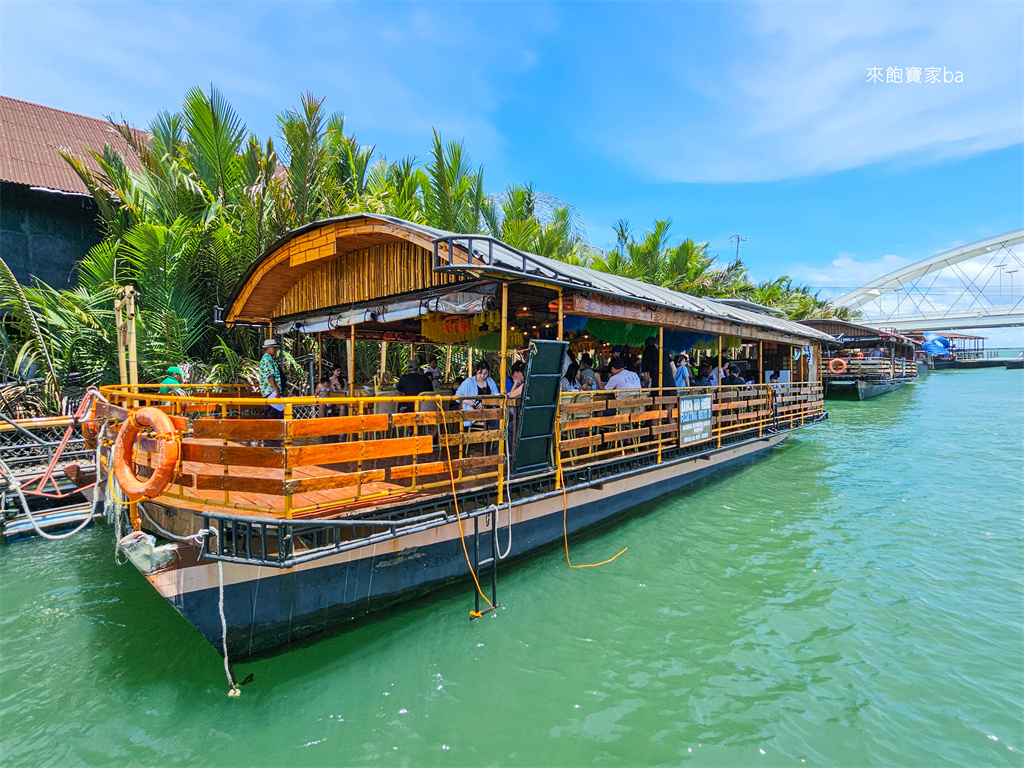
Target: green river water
(853, 598)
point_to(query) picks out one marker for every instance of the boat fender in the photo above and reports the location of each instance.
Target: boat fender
(837, 365)
(166, 458)
(141, 549)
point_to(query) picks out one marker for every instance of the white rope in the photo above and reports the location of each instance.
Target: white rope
(508, 501)
(197, 538)
(233, 690)
(15, 485)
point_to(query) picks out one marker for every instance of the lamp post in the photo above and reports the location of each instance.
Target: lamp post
(1011, 273)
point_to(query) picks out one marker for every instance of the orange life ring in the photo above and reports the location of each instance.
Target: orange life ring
(860, 355)
(837, 365)
(166, 457)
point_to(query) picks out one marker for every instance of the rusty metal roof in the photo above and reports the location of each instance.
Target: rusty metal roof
(30, 135)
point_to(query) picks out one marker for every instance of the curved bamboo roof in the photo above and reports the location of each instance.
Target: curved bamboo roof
(262, 292)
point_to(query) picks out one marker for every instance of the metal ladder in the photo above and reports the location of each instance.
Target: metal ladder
(490, 562)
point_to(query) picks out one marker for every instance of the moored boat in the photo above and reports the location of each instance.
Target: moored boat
(284, 526)
(862, 362)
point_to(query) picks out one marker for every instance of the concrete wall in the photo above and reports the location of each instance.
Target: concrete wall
(45, 234)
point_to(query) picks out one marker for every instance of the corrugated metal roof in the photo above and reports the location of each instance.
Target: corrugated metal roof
(507, 258)
(30, 134)
(501, 258)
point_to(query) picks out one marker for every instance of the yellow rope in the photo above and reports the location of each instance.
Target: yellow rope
(565, 512)
(455, 500)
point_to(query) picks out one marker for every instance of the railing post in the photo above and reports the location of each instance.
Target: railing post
(287, 460)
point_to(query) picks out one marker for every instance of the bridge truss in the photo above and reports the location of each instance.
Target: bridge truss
(979, 285)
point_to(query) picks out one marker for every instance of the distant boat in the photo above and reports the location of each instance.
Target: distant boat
(863, 363)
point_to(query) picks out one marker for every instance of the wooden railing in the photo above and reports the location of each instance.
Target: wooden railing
(381, 447)
(233, 458)
(597, 425)
(871, 367)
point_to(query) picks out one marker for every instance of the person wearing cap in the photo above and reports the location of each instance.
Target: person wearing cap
(412, 383)
(270, 379)
(171, 381)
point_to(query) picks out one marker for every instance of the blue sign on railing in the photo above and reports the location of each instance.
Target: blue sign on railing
(694, 419)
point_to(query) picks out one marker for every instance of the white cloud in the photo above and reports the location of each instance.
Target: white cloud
(793, 99)
(847, 271)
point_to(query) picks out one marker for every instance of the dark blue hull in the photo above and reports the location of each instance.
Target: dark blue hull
(280, 606)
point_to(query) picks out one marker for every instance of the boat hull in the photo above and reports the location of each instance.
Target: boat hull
(266, 607)
(861, 389)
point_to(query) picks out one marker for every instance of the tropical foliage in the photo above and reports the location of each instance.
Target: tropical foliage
(197, 197)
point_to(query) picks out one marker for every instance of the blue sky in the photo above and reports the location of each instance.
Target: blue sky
(750, 118)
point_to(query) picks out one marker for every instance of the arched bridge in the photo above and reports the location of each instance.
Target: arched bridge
(979, 285)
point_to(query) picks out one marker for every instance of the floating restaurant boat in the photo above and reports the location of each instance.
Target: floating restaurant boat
(864, 362)
(287, 526)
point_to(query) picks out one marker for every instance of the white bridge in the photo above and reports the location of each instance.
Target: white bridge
(980, 285)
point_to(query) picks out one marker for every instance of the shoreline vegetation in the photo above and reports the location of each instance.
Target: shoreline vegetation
(199, 197)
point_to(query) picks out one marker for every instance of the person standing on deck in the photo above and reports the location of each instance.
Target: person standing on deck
(271, 379)
(171, 381)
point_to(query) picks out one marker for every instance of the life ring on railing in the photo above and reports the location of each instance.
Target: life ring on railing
(860, 355)
(166, 457)
(837, 365)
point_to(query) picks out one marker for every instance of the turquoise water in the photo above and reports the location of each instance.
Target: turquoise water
(855, 598)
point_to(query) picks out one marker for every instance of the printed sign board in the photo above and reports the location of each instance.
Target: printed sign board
(694, 419)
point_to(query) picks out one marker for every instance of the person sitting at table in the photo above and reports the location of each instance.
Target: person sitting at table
(622, 378)
(412, 383)
(570, 382)
(433, 371)
(323, 390)
(733, 379)
(514, 384)
(589, 378)
(704, 376)
(475, 387)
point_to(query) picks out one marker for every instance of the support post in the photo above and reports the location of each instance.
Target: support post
(287, 461)
(383, 362)
(352, 361)
(661, 376)
(561, 315)
(504, 341)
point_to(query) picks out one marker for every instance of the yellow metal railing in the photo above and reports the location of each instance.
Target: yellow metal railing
(368, 448)
(597, 425)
